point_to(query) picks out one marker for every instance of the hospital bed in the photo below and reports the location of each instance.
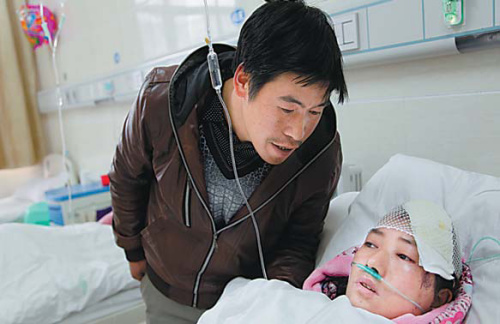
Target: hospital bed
(45, 282)
(471, 199)
(109, 295)
(23, 187)
(111, 303)
(125, 307)
(70, 274)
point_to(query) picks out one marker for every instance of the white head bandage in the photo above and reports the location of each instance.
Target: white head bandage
(431, 226)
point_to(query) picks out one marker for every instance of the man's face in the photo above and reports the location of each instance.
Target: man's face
(282, 116)
(395, 256)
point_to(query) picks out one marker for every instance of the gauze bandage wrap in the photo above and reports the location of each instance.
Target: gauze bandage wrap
(431, 226)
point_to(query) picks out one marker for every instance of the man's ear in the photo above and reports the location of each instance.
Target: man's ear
(444, 296)
(241, 82)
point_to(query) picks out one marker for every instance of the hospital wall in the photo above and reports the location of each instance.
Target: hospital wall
(445, 109)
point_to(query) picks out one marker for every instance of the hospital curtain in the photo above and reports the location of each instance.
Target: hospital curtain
(21, 140)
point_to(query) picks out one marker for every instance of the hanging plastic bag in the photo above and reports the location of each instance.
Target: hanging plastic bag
(31, 22)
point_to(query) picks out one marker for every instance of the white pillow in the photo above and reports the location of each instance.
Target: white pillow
(471, 199)
(34, 190)
(337, 214)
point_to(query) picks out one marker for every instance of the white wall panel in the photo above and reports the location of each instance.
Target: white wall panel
(137, 30)
(461, 132)
(91, 135)
(497, 12)
(443, 109)
(103, 39)
(412, 108)
(341, 6)
(395, 22)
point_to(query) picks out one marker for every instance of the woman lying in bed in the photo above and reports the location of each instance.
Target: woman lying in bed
(409, 265)
(408, 270)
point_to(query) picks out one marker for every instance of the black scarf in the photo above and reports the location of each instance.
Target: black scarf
(215, 129)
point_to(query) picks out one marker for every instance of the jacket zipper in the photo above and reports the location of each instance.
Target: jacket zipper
(187, 199)
(191, 179)
(244, 218)
(213, 246)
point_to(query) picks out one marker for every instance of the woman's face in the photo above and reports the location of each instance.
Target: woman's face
(395, 256)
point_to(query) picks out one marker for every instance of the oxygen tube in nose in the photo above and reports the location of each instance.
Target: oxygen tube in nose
(378, 277)
(216, 79)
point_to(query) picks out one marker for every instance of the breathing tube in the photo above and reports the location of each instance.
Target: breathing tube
(470, 260)
(378, 277)
(216, 79)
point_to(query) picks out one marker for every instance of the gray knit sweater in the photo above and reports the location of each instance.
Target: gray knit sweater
(224, 196)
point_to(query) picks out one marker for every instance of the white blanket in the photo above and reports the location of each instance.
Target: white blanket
(48, 272)
(274, 301)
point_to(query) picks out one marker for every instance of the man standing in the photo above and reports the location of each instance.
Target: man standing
(178, 213)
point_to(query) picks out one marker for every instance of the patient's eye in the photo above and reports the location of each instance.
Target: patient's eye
(405, 257)
(369, 244)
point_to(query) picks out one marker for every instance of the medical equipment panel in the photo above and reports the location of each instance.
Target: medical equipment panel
(78, 203)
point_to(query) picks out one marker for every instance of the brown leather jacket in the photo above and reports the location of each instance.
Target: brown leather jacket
(160, 200)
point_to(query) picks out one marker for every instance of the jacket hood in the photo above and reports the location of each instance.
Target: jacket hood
(191, 80)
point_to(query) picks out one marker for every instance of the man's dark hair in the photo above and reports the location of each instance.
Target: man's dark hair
(290, 36)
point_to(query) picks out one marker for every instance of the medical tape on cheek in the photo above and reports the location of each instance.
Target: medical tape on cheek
(378, 277)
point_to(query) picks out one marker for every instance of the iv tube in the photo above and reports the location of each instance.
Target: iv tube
(216, 79)
(53, 44)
